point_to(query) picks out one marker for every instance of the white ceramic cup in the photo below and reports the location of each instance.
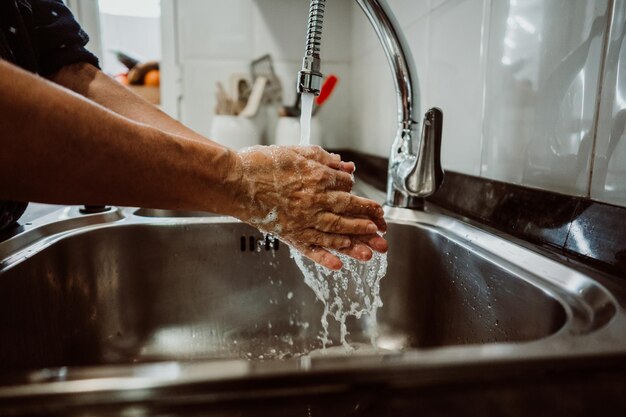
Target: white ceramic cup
(235, 132)
(288, 131)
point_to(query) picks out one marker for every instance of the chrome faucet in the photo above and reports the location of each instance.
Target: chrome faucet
(414, 167)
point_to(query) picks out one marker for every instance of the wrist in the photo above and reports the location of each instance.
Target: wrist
(234, 185)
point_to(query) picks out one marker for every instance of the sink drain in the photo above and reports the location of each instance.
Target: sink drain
(255, 244)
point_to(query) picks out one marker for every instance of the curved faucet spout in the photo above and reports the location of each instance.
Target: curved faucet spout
(414, 168)
(400, 59)
(414, 164)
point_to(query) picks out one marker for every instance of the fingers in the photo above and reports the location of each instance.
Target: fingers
(376, 242)
(339, 173)
(342, 203)
(321, 256)
(318, 154)
(342, 181)
(333, 223)
(326, 240)
(362, 246)
(380, 223)
(331, 160)
(360, 249)
(348, 167)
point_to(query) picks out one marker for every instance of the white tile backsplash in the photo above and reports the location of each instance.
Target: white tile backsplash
(335, 114)
(543, 65)
(217, 38)
(363, 38)
(280, 29)
(406, 13)
(517, 80)
(374, 108)
(609, 169)
(215, 30)
(373, 105)
(453, 77)
(446, 46)
(199, 79)
(410, 11)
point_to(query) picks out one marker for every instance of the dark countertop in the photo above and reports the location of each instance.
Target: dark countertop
(573, 228)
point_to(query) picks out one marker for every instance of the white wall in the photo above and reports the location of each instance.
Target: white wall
(217, 38)
(518, 80)
(609, 168)
(446, 43)
(136, 35)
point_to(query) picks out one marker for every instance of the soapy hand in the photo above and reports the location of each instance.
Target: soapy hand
(302, 195)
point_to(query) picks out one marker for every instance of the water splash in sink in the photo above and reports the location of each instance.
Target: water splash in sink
(353, 291)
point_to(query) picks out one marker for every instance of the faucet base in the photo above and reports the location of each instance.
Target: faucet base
(397, 199)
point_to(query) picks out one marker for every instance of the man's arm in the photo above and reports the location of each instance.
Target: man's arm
(59, 147)
(90, 82)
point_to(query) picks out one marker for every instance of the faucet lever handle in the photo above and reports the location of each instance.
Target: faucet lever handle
(426, 175)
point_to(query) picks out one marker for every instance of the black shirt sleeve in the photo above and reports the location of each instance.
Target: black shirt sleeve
(10, 212)
(60, 39)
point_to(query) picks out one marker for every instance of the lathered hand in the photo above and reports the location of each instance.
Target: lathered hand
(302, 195)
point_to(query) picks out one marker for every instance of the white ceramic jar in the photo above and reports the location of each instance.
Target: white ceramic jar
(235, 132)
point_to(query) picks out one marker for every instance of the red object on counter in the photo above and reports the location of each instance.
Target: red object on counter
(327, 88)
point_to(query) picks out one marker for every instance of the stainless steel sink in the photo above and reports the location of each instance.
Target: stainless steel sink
(123, 294)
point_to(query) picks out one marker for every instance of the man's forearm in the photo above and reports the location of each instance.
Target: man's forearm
(93, 84)
(58, 147)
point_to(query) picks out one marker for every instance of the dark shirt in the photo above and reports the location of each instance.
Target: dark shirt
(40, 36)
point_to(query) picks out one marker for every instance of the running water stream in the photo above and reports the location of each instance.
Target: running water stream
(354, 291)
(305, 118)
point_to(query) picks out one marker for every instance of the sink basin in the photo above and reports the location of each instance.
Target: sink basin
(129, 290)
(135, 292)
(144, 292)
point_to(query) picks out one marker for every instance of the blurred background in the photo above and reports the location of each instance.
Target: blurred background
(532, 91)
